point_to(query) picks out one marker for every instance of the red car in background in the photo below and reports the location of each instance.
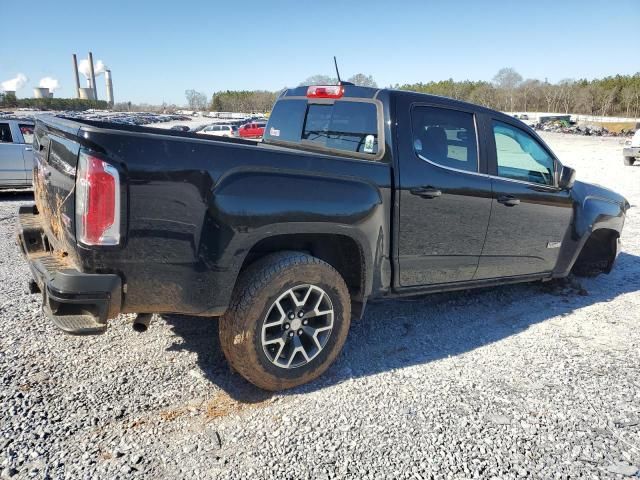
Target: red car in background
(252, 130)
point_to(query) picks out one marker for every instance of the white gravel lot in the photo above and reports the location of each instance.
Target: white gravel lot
(526, 381)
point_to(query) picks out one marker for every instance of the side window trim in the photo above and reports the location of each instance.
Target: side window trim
(481, 167)
(493, 155)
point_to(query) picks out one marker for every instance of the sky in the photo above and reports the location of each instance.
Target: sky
(158, 49)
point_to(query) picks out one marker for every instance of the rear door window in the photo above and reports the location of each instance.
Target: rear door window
(445, 137)
(5, 133)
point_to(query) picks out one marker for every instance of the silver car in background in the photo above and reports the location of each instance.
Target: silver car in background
(16, 153)
(221, 130)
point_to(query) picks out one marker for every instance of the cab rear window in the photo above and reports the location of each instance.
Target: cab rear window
(343, 125)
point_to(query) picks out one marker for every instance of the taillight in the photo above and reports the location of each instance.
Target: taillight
(97, 202)
(329, 91)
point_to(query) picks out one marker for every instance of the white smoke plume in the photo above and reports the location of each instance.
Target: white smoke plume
(85, 69)
(14, 84)
(51, 83)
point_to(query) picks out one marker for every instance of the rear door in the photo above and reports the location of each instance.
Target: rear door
(12, 169)
(445, 196)
(530, 214)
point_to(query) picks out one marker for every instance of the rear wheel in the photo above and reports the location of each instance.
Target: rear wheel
(629, 161)
(287, 322)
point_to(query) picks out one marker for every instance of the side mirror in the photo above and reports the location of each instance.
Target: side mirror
(567, 177)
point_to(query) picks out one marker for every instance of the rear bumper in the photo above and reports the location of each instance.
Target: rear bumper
(631, 152)
(78, 303)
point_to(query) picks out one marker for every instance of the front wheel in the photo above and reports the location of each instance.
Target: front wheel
(629, 161)
(288, 320)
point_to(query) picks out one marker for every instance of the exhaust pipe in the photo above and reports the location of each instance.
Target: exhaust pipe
(142, 321)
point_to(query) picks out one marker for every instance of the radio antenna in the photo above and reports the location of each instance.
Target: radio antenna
(335, 62)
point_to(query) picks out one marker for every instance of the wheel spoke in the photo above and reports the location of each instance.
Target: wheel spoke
(311, 332)
(282, 318)
(306, 296)
(296, 302)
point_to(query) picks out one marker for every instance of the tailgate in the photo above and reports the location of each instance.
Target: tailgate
(56, 158)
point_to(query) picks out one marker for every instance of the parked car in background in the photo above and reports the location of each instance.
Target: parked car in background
(220, 130)
(16, 153)
(631, 151)
(181, 128)
(252, 130)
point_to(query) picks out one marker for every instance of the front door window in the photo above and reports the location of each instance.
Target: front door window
(521, 157)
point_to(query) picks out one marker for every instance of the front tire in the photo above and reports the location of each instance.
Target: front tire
(288, 320)
(629, 161)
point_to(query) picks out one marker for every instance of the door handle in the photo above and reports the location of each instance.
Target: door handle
(508, 200)
(426, 192)
(28, 149)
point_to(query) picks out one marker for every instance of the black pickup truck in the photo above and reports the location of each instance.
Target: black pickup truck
(355, 193)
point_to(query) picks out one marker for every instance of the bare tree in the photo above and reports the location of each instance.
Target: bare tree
(320, 80)
(605, 98)
(508, 79)
(528, 90)
(363, 80)
(196, 100)
(566, 94)
(551, 96)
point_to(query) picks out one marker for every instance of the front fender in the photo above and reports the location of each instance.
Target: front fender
(595, 208)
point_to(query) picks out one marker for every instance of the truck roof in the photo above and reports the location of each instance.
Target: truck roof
(354, 91)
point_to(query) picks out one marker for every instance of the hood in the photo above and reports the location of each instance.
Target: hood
(582, 190)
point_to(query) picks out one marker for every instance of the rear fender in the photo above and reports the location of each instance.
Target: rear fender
(250, 205)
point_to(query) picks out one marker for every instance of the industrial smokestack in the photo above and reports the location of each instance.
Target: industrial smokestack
(93, 77)
(109, 83)
(41, 92)
(75, 73)
(87, 93)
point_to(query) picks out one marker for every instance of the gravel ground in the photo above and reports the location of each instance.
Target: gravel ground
(537, 381)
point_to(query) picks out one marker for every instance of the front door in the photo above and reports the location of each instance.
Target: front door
(445, 200)
(530, 215)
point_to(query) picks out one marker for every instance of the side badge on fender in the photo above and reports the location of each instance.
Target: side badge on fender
(554, 244)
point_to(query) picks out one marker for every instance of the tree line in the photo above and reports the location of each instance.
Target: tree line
(75, 104)
(617, 95)
(259, 100)
(610, 96)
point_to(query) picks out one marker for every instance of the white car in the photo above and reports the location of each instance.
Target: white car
(220, 130)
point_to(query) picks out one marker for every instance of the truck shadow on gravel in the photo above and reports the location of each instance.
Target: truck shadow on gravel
(396, 334)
